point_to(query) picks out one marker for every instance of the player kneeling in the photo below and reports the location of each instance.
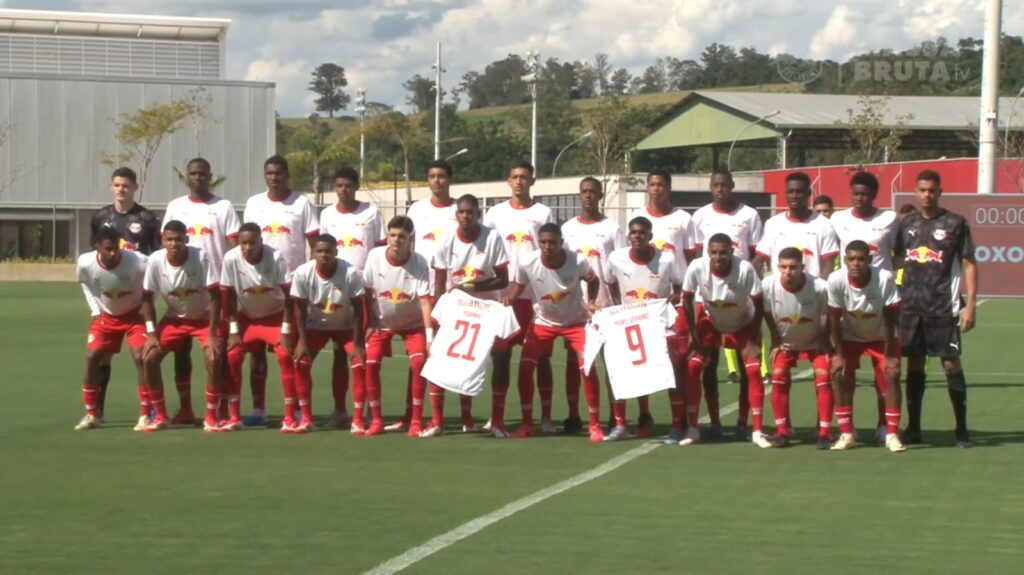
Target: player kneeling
(555, 274)
(189, 285)
(863, 307)
(794, 304)
(256, 279)
(112, 282)
(327, 295)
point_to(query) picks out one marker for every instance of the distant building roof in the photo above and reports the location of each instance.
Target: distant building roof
(46, 22)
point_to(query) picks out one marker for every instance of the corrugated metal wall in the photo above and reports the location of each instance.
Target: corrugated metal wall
(59, 128)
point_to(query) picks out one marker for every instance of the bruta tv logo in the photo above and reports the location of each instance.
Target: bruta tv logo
(999, 254)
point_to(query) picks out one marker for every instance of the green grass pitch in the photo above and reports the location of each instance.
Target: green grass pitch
(256, 502)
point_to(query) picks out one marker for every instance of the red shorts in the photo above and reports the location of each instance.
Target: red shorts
(174, 332)
(261, 332)
(380, 342)
(523, 310)
(540, 340)
(107, 332)
(787, 359)
(709, 336)
(316, 339)
(853, 350)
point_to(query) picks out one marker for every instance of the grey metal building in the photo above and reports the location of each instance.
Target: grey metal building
(66, 78)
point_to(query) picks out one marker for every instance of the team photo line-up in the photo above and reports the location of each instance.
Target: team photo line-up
(657, 302)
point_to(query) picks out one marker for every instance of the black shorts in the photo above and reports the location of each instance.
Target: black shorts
(931, 336)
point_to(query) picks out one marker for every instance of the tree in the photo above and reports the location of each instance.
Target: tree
(141, 133)
(421, 93)
(315, 151)
(603, 72)
(586, 80)
(501, 84)
(617, 128)
(328, 84)
(620, 82)
(870, 136)
(653, 80)
(397, 128)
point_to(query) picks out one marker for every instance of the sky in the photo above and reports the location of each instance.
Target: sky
(382, 43)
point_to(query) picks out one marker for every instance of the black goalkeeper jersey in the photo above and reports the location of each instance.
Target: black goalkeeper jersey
(139, 227)
(934, 250)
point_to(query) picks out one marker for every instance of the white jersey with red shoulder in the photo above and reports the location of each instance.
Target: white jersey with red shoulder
(397, 288)
(433, 224)
(640, 280)
(185, 288)
(286, 224)
(519, 228)
(559, 300)
(595, 239)
(329, 296)
(673, 233)
(209, 225)
(813, 236)
(863, 306)
(357, 232)
(798, 315)
(472, 259)
(727, 300)
(257, 286)
(878, 231)
(742, 224)
(117, 290)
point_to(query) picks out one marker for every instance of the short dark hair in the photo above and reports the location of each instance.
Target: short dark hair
(441, 165)
(866, 179)
(251, 227)
(858, 246)
(325, 239)
(799, 177)
(641, 221)
(907, 209)
(600, 188)
(346, 173)
(823, 199)
(126, 173)
(468, 199)
(522, 164)
(721, 172)
(401, 223)
(930, 176)
(176, 226)
(720, 238)
(199, 160)
(658, 172)
(791, 254)
(106, 234)
(550, 228)
(276, 160)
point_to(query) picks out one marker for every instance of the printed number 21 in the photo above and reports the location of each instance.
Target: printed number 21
(465, 326)
(635, 341)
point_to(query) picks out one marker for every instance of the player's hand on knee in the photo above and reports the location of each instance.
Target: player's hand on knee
(287, 343)
(300, 350)
(234, 340)
(891, 366)
(838, 366)
(359, 351)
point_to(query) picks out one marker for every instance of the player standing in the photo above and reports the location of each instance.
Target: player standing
(190, 288)
(287, 221)
(212, 226)
(518, 221)
(256, 280)
(824, 205)
(635, 274)
(933, 247)
(358, 227)
(556, 276)
(729, 315)
(863, 308)
(139, 231)
(794, 304)
(595, 236)
(471, 259)
(799, 227)
(327, 297)
(112, 281)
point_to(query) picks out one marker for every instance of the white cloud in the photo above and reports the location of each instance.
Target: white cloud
(836, 35)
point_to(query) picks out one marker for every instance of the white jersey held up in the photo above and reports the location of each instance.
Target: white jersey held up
(286, 224)
(728, 301)
(863, 307)
(558, 295)
(596, 240)
(519, 228)
(257, 286)
(115, 291)
(743, 225)
(470, 260)
(209, 225)
(434, 224)
(878, 231)
(461, 350)
(639, 280)
(814, 238)
(357, 232)
(329, 297)
(635, 348)
(397, 289)
(799, 315)
(186, 288)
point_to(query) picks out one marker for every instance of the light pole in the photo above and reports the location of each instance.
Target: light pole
(361, 109)
(728, 159)
(459, 153)
(438, 70)
(1009, 120)
(531, 78)
(567, 146)
(988, 132)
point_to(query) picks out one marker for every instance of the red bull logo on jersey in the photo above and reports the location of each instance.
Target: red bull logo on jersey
(347, 243)
(795, 319)
(589, 252)
(126, 245)
(861, 314)
(182, 293)
(722, 304)
(466, 273)
(327, 307)
(257, 290)
(924, 255)
(433, 236)
(554, 297)
(117, 294)
(806, 252)
(394, 296)
(199, 230)
(275, 229)
(873, 248)
(641, 294)
(663, 245)
(519, 238)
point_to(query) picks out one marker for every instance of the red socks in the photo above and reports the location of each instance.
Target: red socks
(144, 406)
(781, 385)
(693, 387)
(826, 404)
(619, 412)
(212, 402)
(156, 399)
(91, 399)
(419, 387)
(845, 417)
(373, 391)
(546, 388)
(592, 389)
(892, 421)
(436, 405)
(677, 403)
(755, 393)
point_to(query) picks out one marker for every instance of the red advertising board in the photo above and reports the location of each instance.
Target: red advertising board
(997, 225)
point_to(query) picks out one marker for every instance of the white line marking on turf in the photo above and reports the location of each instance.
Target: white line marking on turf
(448, 539)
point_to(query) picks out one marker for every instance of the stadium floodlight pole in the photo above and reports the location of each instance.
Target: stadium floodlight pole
(728, 158)
(360, 107)
(988, 132)
(459, 153)
(1009, 120)
(533, 66)
(438, 70)
(567, 146)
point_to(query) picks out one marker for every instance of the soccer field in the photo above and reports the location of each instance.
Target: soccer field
(258, 502)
